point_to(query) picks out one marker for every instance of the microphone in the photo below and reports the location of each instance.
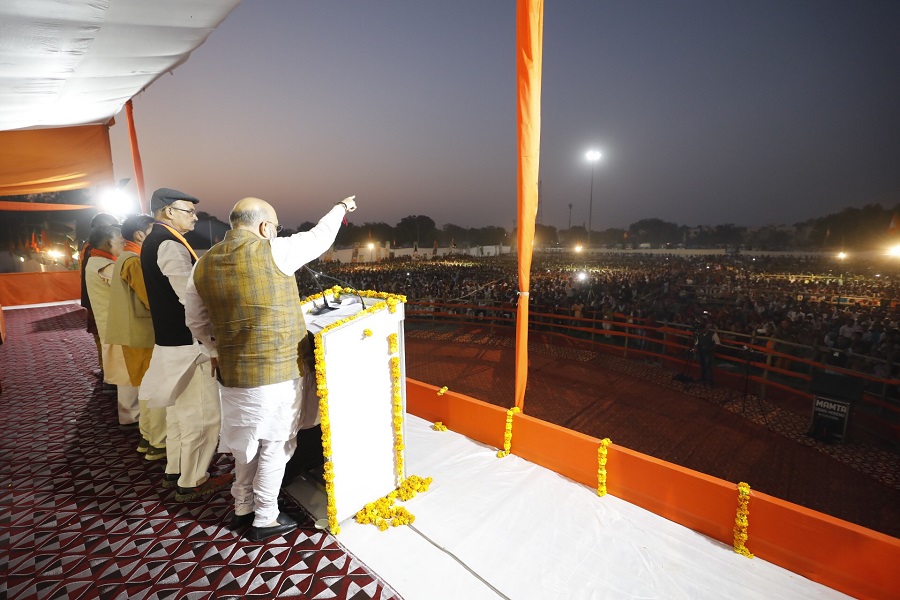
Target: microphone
(343, 283)
(318, 310)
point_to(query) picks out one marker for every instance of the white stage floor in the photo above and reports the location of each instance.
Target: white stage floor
(506, 528)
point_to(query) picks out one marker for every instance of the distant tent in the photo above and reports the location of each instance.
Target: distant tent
(894, 227)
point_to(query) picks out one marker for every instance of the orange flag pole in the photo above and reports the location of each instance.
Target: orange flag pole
(136, 156)
(529, 42)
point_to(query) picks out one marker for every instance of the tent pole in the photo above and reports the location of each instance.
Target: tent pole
(135, 155)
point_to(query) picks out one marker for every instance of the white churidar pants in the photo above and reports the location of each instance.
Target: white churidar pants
(259, 427)
(129, 409)
(257, 483)
(153, 424)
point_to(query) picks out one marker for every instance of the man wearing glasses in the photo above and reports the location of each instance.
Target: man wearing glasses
(243, 300)
(180, 375)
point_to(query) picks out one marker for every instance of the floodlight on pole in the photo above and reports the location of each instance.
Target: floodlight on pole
(592, 156)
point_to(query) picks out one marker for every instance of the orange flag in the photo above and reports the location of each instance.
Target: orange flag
(529, 67)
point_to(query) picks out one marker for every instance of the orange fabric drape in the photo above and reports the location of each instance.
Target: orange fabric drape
(21, 206)
(529, 50)
(33, 161)
(136, 156)
(17, 289)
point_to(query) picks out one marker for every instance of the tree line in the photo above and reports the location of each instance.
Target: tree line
(871, 227)
(868, 228)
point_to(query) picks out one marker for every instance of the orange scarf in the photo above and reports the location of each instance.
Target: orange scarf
(102, 253)
(181, 239)
(132, 247)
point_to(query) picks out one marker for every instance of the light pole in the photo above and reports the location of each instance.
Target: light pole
(593, 156)
(570, 215)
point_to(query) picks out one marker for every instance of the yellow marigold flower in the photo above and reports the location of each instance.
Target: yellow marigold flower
(741, 522)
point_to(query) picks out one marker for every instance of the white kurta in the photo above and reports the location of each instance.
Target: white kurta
(268, 412)
(171, 369)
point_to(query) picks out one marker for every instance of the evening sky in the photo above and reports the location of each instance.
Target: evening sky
(706, 112)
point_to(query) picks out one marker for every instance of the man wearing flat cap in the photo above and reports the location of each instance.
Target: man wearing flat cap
(180, 373)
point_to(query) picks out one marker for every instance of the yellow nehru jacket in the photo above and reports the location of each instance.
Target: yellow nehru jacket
(255, 312)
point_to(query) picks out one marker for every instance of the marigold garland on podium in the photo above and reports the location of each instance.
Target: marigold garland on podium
(360, 382)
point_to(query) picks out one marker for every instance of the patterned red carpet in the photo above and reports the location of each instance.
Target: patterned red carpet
(83, 515)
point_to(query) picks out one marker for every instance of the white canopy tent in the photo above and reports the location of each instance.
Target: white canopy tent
(67, 67)
(77, 62)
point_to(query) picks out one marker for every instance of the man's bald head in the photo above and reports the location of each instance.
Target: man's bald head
(251, 213)
(248, 213)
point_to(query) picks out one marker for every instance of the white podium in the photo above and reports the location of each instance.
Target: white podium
(361, 383)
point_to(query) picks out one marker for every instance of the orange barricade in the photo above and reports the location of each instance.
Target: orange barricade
(843, 556)
(17, 289)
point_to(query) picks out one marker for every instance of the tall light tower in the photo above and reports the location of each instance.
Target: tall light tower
(570, 215)
(592, 156)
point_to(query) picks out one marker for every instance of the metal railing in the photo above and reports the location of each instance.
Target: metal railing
(772, 364)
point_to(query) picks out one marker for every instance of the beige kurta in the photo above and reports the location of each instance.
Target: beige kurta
(97, 274)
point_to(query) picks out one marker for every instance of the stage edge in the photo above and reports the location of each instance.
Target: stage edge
(843, 556)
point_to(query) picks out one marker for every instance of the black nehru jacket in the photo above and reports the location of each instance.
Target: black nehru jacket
(166, 309)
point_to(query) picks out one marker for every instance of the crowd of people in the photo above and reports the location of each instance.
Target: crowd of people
(208, 353)
(814, 307)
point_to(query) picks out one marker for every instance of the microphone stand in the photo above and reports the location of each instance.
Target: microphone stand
(318, 310)
(317, 274)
